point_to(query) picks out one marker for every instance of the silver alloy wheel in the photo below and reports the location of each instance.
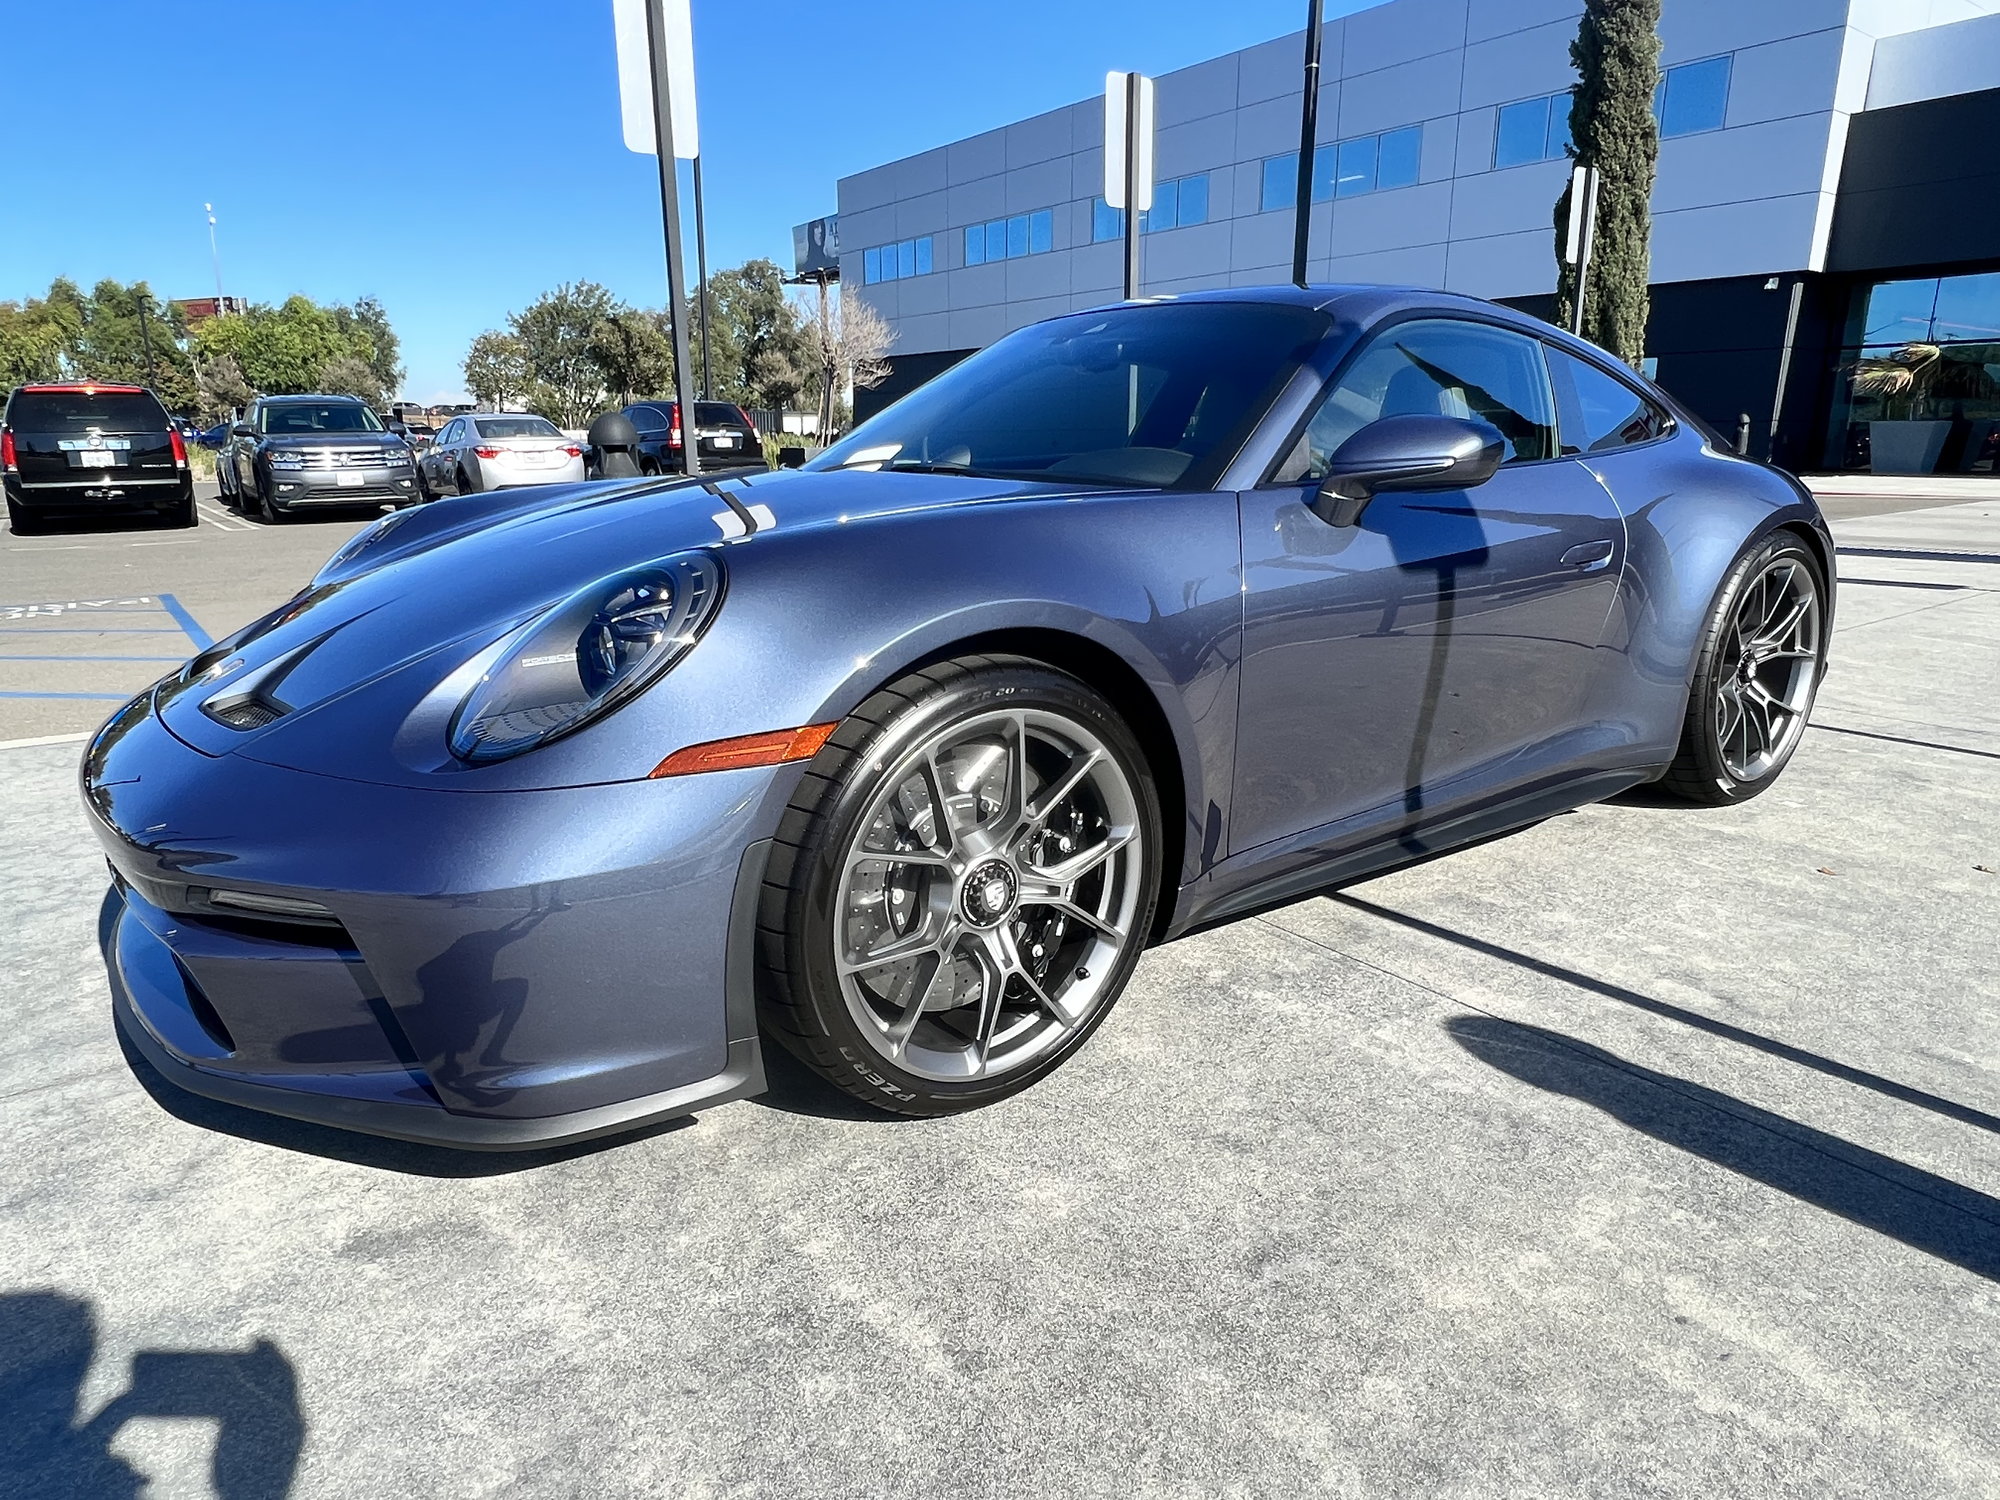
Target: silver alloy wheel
(1767, 669)
(991, 887)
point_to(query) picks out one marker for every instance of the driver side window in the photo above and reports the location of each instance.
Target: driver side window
(1435, 368)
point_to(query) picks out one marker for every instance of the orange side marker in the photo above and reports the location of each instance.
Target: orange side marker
(772, 747)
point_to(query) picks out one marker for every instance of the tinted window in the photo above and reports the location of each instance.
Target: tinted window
(73, 411)
(317, 416)
(1402, 157)
(1435, 368)
(718, 414)
(1356, 170)
(1599, 411)
(1155, 396)
(515, 427)
(647, 418)
(1281, 182)
(1693, 97)
(1194, 199)
(1523, 134)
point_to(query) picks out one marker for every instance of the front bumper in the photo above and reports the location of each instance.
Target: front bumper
(496, 971)
(353, 486)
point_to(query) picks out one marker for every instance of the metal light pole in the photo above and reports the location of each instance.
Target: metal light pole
(1128, 159)
(670, 209)
(214, 256)
(1308, 130)
(701, 280)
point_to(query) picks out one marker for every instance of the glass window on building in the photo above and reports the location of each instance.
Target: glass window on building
(1166, 209)
(1041, 231)
(1693, 97)
(1194, 199)
(1918, 381)
(925, 262)
(975, 244)
(906, 258)
(1017, 236)
(996, 239)
(871, 266)
(1400, 158)
(1356, 170)
(1522, 134)
(1106, 222)
(1281, 182)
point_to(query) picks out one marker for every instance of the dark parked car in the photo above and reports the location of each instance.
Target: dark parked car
(536, 815)
(727, 436)
(313, 452)
(89, 450)
(216, 436)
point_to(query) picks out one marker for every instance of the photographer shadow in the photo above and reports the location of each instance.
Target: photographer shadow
(48, 1450)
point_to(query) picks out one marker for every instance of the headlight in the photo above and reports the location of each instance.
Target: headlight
(393, 456)
(585, 656)
(284, 458)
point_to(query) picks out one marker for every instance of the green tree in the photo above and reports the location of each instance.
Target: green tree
(557, 332)
(350, 375)
(634, 351)
(496, 368)
(366, 328)
(760, 351)
(1617, 57)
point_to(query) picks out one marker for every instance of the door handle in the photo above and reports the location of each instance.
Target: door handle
(1588, 554)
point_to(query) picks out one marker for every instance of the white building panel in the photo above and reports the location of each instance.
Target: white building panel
(1962, 58)
(1692, 29)
(1699, 243)
(1391, 221)
(1518, 65)
(1503, 265)
(977, 157)
(1485, 19)
(1401, 32)
(1041, 139)
(1771, 160)
(1405, 94)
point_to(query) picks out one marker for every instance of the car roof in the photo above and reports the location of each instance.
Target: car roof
(288, 400)
(84, 387)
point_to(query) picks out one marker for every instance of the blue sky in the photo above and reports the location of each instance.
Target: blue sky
(455, 159)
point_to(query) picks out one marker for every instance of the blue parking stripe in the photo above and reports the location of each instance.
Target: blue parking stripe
(20, 656)
(201, 638)
(107, 697)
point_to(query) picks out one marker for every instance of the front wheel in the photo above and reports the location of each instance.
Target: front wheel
(961, 886)
(1762, 657)
(267, 506)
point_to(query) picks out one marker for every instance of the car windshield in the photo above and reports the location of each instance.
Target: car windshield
(1160, 396)
(515, 427)
(78, 411)
(318, 416)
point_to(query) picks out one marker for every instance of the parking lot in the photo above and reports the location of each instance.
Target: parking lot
(1651, 1151)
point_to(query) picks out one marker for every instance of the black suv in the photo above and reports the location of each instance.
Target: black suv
(294, 452)
(727, 436)
(86, 450)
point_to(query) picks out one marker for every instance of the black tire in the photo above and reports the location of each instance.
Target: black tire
(464, 482)
(184, 514)
(20, 519)
(424, 495)
(267, 506)
(1702, 771)
(801, 1003)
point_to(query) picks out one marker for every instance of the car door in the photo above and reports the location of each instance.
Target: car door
(443, 458)
(240, 450)
(651, 424)
(1441, 646)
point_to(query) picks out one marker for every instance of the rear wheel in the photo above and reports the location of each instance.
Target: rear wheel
(183, 514)
(465, 484)
(1762, 657)
(19, 518)
(961, 887)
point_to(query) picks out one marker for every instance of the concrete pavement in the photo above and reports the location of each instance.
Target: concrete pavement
(1651, 1151)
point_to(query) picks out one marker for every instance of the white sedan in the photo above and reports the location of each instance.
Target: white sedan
(495, 450)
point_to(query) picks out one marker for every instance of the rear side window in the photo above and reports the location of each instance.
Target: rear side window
(719, 414)
(74, 411)
(1598, 411)
(515, 427)
(1435, 368)
(647, 418)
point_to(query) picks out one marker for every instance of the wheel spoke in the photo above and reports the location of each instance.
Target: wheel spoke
(1012, 814)
(911, 945)
(1080, 864)
(1054, 795)
(1004, 940)
(930, 858)
(994, 966)
(944, 823)
(1067, 907)
(1789, 620)
(920, 997)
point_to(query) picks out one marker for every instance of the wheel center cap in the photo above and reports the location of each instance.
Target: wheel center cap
(988, 894)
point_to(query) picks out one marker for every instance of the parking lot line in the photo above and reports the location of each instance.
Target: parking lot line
(107, 697)
(202, 639)
(23, 656)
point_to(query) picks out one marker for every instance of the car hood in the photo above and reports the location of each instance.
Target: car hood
(329, 439)
(413, 598)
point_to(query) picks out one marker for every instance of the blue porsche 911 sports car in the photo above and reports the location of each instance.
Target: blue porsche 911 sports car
(537, 814)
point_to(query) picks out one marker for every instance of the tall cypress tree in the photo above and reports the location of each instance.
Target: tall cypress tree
(1611, 127)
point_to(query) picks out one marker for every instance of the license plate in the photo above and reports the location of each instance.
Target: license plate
(350, 481)
(99, 456)
(723, 439)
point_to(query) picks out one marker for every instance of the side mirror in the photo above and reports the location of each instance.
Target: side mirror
(1406, 453)
(791, 458)
(241, 429)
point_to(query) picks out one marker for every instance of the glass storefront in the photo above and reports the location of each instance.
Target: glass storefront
(1917, 390)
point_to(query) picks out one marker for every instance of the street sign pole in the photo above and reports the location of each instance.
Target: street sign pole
(701, 281)
(1308, 129)
(1128, 159)
(1581, 235)
(670, 211)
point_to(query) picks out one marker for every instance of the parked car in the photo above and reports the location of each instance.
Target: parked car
(1134, 621)
(91, 450)
(293, 453)
(215, 436)
(728, 438)
(498, 450)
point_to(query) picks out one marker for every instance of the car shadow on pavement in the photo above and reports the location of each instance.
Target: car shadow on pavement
(378, 1152)
(1889, 1088)
(50, 1451)
(794, 1089)
(1924, 1211)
